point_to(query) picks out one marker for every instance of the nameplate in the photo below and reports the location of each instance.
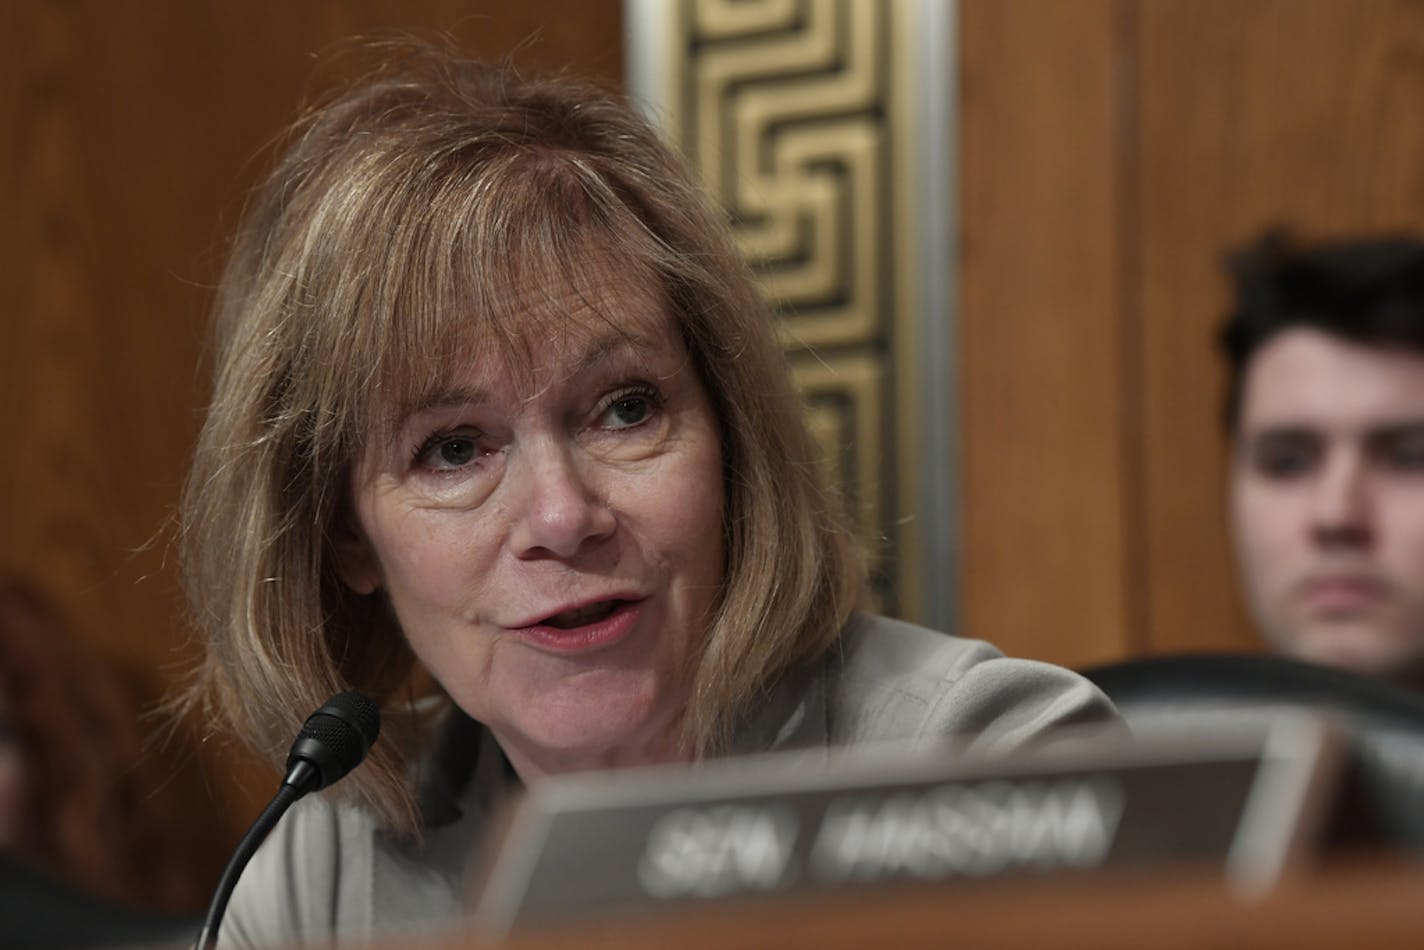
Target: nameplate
(649, 839)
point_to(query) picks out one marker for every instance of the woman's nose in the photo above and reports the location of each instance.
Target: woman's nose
(1340, 512)
(559, 512)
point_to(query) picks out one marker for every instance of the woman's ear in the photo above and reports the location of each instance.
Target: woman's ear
(355, 560)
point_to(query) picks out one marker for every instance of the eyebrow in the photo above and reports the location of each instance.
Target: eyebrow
(441, 399)
(605, 346)
(1396, 430)
(1284, 431)
(1393, 429)
(598, 351)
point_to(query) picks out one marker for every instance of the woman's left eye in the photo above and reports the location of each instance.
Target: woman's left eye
(628, 409)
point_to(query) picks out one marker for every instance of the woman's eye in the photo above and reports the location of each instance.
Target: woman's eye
(448, 452)
(627, 410)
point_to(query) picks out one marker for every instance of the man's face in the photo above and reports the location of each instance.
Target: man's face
(1327, 500)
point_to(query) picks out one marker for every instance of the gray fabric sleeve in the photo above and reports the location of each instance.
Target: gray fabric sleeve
(1002, 705)
(296, 885)
(898, 679)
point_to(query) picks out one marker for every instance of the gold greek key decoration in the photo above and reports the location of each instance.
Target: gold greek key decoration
(784, 125)
(789, 110)
(843, 402)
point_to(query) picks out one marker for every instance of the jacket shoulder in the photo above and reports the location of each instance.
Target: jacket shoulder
(896, 680)
(305, 880)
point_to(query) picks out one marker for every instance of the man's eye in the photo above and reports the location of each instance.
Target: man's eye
(1404, 455)
(1285, 459)
(1284, 464)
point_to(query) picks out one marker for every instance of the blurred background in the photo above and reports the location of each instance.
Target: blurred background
(1104, 156)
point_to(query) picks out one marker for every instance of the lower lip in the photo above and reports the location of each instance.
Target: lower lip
(592, 636)
(1345, 597)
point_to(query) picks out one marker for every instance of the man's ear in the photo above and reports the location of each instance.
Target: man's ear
(355, 560)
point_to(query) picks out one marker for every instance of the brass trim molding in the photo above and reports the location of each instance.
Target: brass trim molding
(822, 126)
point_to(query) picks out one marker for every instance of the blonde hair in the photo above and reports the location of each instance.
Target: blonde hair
(394, 236)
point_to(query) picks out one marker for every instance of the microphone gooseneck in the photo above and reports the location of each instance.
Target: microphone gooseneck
(331, 743)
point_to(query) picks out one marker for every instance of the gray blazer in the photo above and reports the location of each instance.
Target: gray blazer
(330, 870)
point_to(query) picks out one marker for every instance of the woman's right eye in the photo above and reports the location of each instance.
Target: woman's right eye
(448, 452)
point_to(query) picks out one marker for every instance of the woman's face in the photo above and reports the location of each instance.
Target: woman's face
(551, 543)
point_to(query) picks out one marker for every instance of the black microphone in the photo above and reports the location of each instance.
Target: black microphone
(332, 742)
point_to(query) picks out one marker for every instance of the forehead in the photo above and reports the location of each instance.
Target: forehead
(1303, 377)
(547, 329)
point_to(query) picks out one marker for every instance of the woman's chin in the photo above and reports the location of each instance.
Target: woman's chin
(608, 734)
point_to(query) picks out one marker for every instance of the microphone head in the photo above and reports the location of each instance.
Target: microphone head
(335, 739)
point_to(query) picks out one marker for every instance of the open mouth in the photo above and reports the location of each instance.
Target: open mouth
(581, 616)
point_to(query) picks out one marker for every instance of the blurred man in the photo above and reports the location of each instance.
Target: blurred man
(1326, 413)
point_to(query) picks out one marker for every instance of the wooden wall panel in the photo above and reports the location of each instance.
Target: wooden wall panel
(1112, 153)
(1306, 112)
(130, 133)
(1048, 563)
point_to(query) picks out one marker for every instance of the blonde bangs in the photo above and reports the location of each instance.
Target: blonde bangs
(477, 265)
